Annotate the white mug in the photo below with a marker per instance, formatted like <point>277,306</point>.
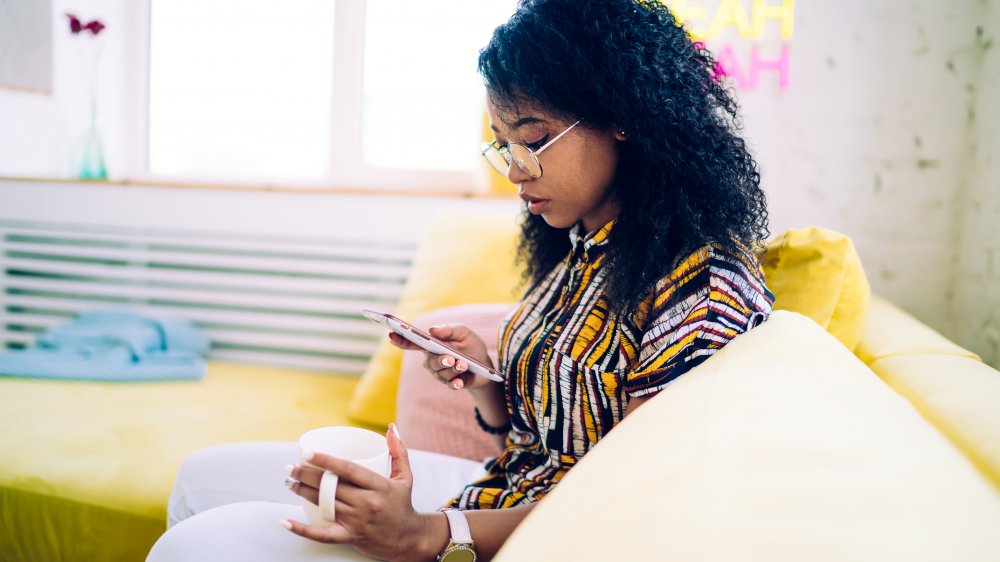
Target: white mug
<point>360,446</point>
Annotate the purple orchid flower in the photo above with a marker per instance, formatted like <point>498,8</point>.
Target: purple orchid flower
<point>76,26</point>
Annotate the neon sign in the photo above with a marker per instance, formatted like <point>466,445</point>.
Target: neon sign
<point>731,58</point>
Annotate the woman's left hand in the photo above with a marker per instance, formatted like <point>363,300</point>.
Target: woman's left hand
<point>375,514</point>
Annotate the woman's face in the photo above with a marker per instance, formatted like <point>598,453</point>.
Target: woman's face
<point>577,169</point>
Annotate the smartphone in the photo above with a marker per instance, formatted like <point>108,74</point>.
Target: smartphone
<point>430,343</point>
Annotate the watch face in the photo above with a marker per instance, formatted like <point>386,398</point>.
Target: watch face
<point>459,554</point>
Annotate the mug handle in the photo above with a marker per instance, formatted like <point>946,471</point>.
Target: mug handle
<point>327,495</point>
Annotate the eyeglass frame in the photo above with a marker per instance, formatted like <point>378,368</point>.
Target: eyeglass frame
<point>504,152</point>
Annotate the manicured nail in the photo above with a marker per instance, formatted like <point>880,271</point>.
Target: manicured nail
<point>288,469</point>
<point>447,362</point>
<point>457,384</point>
<point>289,482</point>
<point>395,431</point>
<point>307,455</point>
<point>460,367</point>
<point>286,524</point>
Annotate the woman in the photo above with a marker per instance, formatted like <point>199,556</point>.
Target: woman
<point>642,206</point>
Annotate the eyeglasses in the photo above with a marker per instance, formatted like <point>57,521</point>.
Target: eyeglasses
<point>526,159</point>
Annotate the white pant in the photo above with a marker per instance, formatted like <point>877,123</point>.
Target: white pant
<point>227,501</point>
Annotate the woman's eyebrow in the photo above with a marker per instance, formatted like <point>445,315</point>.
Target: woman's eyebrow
<point>520,123</point>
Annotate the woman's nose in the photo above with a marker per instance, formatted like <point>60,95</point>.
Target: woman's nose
<point>516,175</point>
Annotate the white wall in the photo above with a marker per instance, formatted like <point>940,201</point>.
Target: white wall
<point>41,134</point>
<point>975,297</point>
<point>871,137</point>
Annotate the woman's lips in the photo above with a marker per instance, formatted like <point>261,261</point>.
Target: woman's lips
<point>536,205</point>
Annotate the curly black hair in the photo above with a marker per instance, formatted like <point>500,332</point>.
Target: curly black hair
<point>685,177</point>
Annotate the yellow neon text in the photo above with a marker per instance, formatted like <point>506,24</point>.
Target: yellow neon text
<point>732,13</point>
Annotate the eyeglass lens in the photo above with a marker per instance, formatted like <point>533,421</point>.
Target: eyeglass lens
<point>525,160</point>
<point>495,158</point>
<point>520,155</point>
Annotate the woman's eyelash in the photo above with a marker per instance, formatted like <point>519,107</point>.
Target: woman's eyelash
<point>537,144</point>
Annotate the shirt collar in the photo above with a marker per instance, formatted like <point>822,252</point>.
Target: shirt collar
<point>589,245</point>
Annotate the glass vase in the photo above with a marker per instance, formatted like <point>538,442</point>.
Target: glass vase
<point>91,166</point>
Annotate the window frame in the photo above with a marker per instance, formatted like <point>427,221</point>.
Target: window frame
<point>347,170</point>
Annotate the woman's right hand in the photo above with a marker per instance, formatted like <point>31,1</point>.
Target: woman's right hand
<point>449,369</point>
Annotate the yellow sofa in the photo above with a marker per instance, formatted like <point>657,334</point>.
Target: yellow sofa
<point>86,468</point>
<point>767,451</point>
<point>785,447</point>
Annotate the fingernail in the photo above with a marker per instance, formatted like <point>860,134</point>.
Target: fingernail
<point>395,431</point>
<point>307,455</point>
<point>447,362</point>
<point>457,385</point>
<point>286,524</point>
<point>288,469</point>
<point>460,367</point>
<point>289,482</point>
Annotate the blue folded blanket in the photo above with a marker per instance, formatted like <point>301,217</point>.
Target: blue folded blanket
<point>112,345</point>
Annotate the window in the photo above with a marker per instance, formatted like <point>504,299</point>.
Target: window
<point>240,89</point>
<point>342,93</point>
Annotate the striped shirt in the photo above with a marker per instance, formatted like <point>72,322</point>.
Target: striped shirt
<point>572,364</point>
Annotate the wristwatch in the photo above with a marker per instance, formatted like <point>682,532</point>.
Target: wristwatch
<point>460,548</point>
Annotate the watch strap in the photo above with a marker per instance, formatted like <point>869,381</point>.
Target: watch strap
<point>459,525</point>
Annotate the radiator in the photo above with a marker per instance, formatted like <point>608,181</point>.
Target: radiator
<point>279,300</point>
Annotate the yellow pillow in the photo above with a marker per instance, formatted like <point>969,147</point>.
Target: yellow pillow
<point>783,446</point>
<point>462,260</point>
<point>817,272</point>
<point>958,395</point>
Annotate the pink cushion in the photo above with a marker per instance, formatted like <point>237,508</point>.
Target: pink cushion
<point>431,416</point>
